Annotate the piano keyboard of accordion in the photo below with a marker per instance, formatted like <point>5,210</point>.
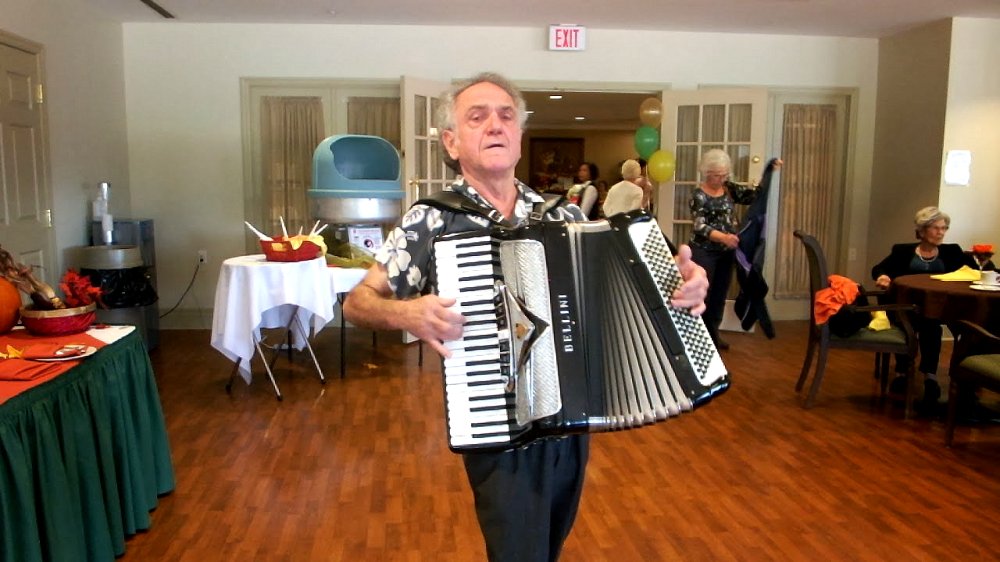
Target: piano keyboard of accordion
<point>614,354</point>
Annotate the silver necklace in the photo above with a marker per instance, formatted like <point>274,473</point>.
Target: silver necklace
<point>922,258</point>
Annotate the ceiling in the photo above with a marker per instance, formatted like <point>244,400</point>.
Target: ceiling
<point>601,110</point>
<point>843,18</point>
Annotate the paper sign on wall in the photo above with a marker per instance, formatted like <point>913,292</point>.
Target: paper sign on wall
<point>958,167</point>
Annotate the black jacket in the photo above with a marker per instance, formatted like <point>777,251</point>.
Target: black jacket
<point>750,305</point>
<point>898,261</point>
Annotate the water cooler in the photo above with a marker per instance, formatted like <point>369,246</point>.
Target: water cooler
<point>128,265</point>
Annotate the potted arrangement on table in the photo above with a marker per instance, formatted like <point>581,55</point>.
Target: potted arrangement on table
<point>982,253</point>
<point>48,314</point>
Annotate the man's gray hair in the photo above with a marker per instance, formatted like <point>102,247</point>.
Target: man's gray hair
<point>446,109</point>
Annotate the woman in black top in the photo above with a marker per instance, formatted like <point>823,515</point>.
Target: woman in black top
<point>929,255</point>
<point>585,193</point>
<point>713,239</point>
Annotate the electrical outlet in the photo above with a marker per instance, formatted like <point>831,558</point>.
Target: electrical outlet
<point>852,254</point>
<point>202,256</point>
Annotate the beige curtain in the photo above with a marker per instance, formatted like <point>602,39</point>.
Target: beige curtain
<point>374,116</point>
<point>290,130</point>
<point>809,193</point>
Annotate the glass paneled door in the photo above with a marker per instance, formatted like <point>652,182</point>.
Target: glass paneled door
<point>423,163</point>
<point>696,121</point>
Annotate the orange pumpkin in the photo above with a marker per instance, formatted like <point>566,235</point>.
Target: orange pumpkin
<point>10,305</point>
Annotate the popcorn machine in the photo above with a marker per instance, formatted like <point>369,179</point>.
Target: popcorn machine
<point>356,188</point>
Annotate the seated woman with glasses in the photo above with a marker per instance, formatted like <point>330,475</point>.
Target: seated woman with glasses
<point>928,255</point>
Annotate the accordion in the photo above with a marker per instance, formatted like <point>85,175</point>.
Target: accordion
<point>569,329</point>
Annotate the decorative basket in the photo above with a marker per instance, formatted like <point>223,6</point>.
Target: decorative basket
<point>58,322</point>
<point>280,249</point>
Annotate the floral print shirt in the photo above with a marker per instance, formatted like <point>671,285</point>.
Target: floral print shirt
<point>717,213</point>
<point>406,253</point>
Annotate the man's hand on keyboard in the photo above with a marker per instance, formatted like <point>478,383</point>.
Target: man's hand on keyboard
<point>430,319</point>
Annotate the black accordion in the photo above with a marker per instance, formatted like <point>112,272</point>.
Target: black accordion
<point>569,329</point>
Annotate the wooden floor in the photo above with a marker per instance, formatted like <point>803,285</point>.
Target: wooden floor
<point>358,470</point>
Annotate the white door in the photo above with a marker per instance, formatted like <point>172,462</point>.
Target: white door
<point>694,121</point>
<point>25,215</point>
<point>424,171</point>
<point>423,164</point>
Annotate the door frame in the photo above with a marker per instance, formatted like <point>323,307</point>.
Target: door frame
<point>839,259</point>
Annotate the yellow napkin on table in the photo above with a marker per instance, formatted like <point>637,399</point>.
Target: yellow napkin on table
<point>964,273</point>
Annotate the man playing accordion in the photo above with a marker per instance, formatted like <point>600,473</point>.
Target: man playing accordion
<point>526,498</point>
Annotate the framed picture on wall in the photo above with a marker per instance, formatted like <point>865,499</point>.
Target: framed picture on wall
<point>554,162</point>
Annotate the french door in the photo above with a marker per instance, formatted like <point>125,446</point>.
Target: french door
<point>695,121</point>
<point>423,163</point>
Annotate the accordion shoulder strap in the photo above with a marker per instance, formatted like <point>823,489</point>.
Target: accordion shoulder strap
<point>552,201</point>
<point>457,203</point>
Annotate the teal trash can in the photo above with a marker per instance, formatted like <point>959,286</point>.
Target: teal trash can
<point>356,180</point>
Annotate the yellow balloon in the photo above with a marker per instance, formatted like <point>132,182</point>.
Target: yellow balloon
<point>650,112</point>
<point>661,165</point>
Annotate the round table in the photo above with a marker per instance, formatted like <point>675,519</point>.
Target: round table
<point>253,293</point>
<point>949,301</point>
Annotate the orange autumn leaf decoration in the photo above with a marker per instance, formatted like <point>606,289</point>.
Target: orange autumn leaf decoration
<point>982,248</point>
<point>78,290</point>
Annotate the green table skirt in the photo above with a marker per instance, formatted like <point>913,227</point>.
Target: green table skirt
<point>83,459</point>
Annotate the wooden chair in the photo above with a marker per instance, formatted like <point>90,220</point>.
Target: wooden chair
<point>897,339</point>
<point>975,363</point>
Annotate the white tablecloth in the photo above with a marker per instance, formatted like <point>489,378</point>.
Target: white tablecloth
<point>254,293</point>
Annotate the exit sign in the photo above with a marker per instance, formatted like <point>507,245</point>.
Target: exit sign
<point>566,37</point>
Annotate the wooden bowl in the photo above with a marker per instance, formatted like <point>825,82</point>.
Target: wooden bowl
<point>281,250</point>
<point>58,322</point>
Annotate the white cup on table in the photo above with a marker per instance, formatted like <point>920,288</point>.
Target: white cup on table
<point>989,277</point>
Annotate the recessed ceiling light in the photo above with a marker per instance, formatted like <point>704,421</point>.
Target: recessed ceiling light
<point>555,97</point>
<point>578,118</point>
<point>529,112</point>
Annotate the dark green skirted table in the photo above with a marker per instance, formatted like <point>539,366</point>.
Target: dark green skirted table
<point>83,459</point>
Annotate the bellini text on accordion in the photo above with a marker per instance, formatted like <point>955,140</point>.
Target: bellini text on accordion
<point>569,329</point>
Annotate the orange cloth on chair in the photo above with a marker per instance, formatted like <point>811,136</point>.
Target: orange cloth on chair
<point>830,300</point>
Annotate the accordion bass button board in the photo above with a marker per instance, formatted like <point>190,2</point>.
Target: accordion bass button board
<point>569,329</point>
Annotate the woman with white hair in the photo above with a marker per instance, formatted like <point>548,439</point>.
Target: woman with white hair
<point>713,239</point>
<point>625,195</point>
<point>928,255</point>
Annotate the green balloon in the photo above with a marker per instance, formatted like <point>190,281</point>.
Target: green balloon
<point>647,140</point>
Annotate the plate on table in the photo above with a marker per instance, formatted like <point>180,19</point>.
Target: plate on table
<point>86,353</point>
<point>981,287</point>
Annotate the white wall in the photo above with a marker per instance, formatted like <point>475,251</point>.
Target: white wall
<point>972,122</point>
<point>85,104</point>
<point>183,101</point>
